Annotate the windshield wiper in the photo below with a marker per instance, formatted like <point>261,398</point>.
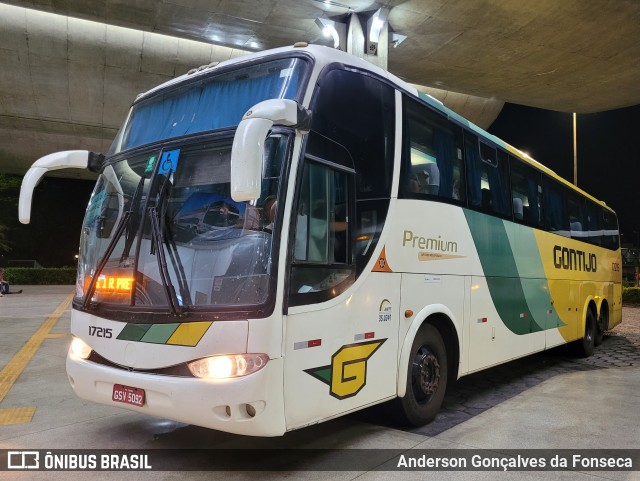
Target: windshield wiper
<point>167,236</point>
<point>176,308</point>
<point>133,231</point>
<point>178,267</point>
<point>105,258</point>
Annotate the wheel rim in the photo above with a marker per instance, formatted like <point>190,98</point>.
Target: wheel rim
<point>425,375</point>
<point>589,334</point>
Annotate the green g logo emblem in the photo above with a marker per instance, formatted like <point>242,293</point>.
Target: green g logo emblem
<point>347,374</point>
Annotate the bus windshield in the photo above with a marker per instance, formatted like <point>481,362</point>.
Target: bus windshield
<point>162,230</point>
<point>214,102</point>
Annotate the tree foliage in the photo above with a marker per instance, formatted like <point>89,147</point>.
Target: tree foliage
<point>4,243</point>
<point>9,191</point>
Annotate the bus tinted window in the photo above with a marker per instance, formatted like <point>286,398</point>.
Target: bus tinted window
<point>358,112</point>
<point>488,154</point>
<point>322,266</point>
<point>215,102</point>
<point>611,237</point>
<point>487,177</point>
<point>432,154</point>
<point>594,220</point>
<point>526,193</point>
<point>556,219</point>
<point>357,140</point>
<point>576,209</point>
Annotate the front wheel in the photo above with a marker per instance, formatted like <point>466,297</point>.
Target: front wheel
<point>426,378</point>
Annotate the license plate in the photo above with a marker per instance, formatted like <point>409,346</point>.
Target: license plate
<point>128,395</point>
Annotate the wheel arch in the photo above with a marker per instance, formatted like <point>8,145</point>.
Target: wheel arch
<point>444,321</point>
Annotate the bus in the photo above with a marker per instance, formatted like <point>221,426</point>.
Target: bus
<point>290,236</point>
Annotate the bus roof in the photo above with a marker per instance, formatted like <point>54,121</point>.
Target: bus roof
<point>325,55</point>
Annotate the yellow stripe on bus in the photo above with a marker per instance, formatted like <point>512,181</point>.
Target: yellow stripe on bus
<point>189,333</point>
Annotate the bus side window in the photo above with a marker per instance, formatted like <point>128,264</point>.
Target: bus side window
<point>432,155</point>
<point>487,177</point>
<point>556,219</point>
<point>611,238</point>
<point>577,218</point>
<point>353,126</point>
<point>526,194</point>
<point>322,266</point>
<point>358,112</point>
<point>594,219</point>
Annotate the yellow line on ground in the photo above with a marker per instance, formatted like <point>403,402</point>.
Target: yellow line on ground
<point>16,415</point>
<point>17,364</point>
<point>56,336</point>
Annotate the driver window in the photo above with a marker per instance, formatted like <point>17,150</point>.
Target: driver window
<point>322,266</point>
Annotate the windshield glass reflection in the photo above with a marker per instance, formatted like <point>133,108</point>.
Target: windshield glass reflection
<point>165,231</point>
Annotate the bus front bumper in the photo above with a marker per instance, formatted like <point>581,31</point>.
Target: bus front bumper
<point>252,405</point>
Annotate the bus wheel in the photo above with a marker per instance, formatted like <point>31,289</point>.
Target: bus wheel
<point>603,321</point>
<point>426,378</point>
<point>586,344</point>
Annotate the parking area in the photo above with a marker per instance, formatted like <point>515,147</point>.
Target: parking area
<point>547,401</point>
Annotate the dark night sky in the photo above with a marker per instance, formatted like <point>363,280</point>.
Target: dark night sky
<point>608,168</point>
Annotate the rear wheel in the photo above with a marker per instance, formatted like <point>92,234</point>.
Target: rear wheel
<point>585,346</point>
<point>426,378</point>
<point>601,325</point>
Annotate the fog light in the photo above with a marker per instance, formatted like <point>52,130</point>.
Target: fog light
<point>79,348</point>
<point>228,366</point>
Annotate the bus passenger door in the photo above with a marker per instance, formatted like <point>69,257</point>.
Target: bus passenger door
<point>341,332</point>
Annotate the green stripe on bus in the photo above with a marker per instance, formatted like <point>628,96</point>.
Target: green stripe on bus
<point>185,334</point>
<point>532,276</point>
<point>159,333</point>
<point>133,332</point>
<point>501,272</point>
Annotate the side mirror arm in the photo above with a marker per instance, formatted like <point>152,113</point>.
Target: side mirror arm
<point>69,159</point>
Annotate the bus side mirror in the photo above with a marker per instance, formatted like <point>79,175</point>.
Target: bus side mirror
<point>68,159</point>
<point>248,143</point>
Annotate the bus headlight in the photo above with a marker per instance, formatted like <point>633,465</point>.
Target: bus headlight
<point>79,348</point>
<point>227,366</point>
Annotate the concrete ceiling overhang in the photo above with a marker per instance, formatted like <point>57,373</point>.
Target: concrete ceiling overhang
<point>69,78</point>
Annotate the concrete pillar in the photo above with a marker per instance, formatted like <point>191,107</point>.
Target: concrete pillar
<point>356,41</point>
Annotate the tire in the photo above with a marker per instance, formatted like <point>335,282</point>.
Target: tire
<point>601,326</point>
<point>585,345</point>
<point>426,379</point>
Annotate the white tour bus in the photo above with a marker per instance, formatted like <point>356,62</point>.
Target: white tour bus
<point>289,236</point>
